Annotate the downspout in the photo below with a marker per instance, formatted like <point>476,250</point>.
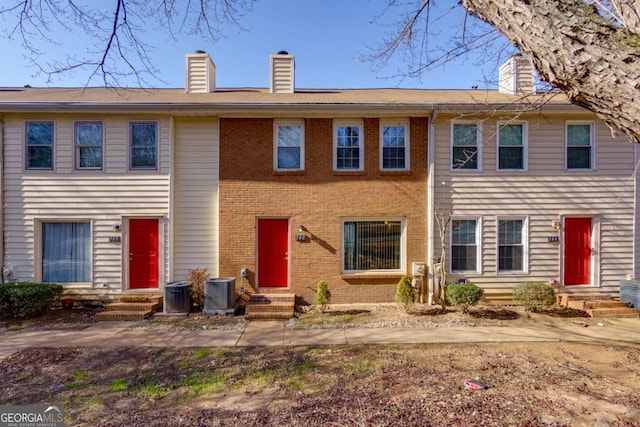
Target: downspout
<point>172,185</point>
<point>431,150</point>
<point>636,214</point>
<point>217,202</point>
<point>2,239</point>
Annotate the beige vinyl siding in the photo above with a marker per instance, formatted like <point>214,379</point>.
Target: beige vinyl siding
<point>282,74</point>
<point>195,196</point>
<point>104,197</point>
<point>542,194</point>
<point>200,73</point>
<point>516,76</point>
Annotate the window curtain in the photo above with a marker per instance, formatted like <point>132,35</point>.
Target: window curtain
<point>65,252</point>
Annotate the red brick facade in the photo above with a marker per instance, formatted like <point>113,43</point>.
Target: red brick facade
<point>319,199</point>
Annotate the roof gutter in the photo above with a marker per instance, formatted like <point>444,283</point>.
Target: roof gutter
<point>266,108</point>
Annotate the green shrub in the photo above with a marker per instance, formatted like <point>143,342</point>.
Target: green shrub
<point>197,278</point>
<point>28,299</point>
<point>533,295</point>
<point>404,293</point>
<point>464,296</point>
<point>322,298</point>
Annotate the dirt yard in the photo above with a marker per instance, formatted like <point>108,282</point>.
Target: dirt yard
<point>529,384</point>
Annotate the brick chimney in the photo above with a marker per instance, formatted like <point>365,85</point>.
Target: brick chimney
<point>282,78</point>
<point>516,76</point>
<point>200,73</point>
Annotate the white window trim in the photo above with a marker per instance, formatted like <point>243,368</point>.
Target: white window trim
<point>38,247</point>
<point>129,157</point>
<point>525,246</point>
<point>525,145</point>
<point>407,139</point>
<point>352,123</point>
<point>478,220</point>
<point>403,246</point>
<point>25,164</point>
<point>593,144</point>
<point>76,147</point>
<point>478,143</point>
<point>276,125</point>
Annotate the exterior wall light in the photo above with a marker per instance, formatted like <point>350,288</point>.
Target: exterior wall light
<point>300,237</point>
<point>116,228</point>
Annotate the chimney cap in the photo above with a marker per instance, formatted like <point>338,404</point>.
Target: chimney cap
<point>200,51</point>
<point>283,52</point>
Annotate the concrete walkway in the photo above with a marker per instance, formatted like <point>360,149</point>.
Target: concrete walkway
<point>274,333</point>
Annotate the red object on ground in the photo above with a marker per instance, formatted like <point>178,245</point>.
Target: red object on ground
<point>475,385</point>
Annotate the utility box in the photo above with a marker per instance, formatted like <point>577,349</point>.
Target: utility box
<point>176,298</point>
<point>418,269</point>
<point>219,295</point>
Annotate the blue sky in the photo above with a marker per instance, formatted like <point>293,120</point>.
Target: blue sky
<point>328,38</point>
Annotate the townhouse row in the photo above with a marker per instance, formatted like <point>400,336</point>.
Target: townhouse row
<point>117,191</point>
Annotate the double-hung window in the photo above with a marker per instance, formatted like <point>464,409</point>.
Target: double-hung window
<point>143,145</point>
<point>66,252</point>
<point>466,146</point>
<point>394,146</point>
<point>464,244</point>
<point>511,245</point>
<point>39,145</point>
<point>88,137</point>
<point>512,146</point>
<point>289,145</point>
<point>373,245</point>
<point>348,145</point>
<point>580,145</point>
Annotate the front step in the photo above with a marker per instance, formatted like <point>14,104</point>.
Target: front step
<point>565,297</point>
<point>131,307</point>
<point>123,315</point>
<point>622,312</point>
<point>270,306</point>
<point>597,305</point>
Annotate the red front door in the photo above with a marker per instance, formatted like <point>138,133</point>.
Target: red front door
<point>273,253</point>
<point>143,253</point>
<point>577,251</point>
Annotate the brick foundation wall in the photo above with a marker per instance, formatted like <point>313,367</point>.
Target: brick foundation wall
<point>317,198</point>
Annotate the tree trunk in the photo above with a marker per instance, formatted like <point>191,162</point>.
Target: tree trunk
<point>596,63</point>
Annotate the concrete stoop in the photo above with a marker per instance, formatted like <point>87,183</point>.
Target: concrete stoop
<point>597,305</point>
<point>130,308</point>
<point>270,306</point>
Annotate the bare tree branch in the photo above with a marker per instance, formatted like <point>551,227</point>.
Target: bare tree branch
<point>593,60</point>
<point>420,21</point>
<point>115,39</point>
<point>586,48</point>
